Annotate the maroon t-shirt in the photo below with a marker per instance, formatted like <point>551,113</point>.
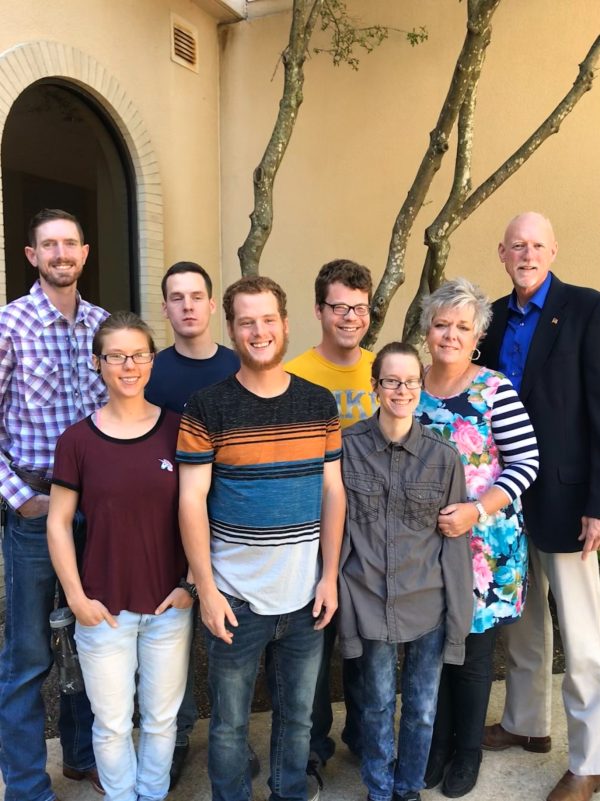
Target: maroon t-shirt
<point>128,492</point>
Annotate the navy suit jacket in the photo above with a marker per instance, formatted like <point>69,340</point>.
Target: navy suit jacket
<point>561,392</point>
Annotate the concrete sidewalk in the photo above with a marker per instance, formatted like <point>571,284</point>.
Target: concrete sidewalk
<point>509,775</point>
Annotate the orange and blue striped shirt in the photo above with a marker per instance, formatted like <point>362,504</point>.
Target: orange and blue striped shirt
<point>264,505</point>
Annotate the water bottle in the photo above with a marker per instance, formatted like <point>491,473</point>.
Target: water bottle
<point>62,624</point>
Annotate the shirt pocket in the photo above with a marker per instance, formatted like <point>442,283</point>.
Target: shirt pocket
<point>41,378</point>
<point>422,504</point>
<point>364,496</point>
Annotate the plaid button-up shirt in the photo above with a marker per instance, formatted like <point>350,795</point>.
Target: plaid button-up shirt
<point>47,382</point>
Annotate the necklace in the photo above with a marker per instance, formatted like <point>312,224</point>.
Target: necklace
<point>441,388</point>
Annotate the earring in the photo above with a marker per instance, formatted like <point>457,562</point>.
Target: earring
<point>476,355</point>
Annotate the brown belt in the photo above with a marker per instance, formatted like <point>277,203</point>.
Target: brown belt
<point>37,483</point>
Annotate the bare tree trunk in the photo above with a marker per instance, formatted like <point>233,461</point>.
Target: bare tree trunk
<point>304,16</point>
<point>458,208</point>
<point>480,13</point>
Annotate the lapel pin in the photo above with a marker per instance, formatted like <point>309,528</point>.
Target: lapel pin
<point>555,321</point>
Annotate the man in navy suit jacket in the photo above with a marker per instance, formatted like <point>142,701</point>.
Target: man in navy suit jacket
<point>546,337</point>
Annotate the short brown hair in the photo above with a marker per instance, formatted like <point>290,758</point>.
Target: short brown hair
<point>404,348</point>
<point>342,271</point>
<point>253,285</point>
<point>119,321</point>
<point>186,267</point>
<point>47,215</point>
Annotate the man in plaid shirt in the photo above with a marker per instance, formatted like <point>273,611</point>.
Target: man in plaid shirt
<point>47,382</point>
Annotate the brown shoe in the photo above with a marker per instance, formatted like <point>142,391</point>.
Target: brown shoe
<point>495,738</point>
<point>575,788</point>
<point>90,775</point>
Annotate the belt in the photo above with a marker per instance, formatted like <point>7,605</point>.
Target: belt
<point>37,483</point>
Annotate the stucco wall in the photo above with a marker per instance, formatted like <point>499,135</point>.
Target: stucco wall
<point>360,137</point>
<point>178,109</point>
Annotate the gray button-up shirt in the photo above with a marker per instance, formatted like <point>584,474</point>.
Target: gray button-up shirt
<point>399,578</point>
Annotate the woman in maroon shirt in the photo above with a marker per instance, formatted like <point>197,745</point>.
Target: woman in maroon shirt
<point>118,466</point>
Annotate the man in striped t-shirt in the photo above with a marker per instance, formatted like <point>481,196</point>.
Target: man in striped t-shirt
<point>262,510</point>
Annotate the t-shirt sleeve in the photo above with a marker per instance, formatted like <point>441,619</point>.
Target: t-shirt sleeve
<point>194,443</point>
<point>67,468</point>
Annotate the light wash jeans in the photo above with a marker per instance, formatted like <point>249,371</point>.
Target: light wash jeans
<point>157,647</point>
<point>386,770</point>
<point>25,662</point>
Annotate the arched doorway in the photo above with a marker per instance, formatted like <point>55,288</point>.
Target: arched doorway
<point>60,150</point>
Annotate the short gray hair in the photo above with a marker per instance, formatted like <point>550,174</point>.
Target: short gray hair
<point>454,295</point>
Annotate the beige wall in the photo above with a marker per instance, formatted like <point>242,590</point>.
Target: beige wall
<point>361,135</point>
<point>178,108</point>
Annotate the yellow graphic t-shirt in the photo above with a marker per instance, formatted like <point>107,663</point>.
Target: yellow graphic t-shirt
<point>351,386</point>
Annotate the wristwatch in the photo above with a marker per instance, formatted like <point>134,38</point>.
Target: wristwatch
<point>483,515</point>
<point>188,587</point>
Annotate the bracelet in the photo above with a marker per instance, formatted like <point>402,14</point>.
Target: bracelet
<point>189,588</point>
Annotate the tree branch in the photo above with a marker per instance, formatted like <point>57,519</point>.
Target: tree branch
<point>304,17</point>
<point>452,216</point>
<point>551,125</point>
<point>480,13</point>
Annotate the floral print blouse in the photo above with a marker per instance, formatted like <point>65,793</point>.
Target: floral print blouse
<point>488,425</point>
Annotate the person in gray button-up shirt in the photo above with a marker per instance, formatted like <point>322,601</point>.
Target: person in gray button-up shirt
<point>400,581</point>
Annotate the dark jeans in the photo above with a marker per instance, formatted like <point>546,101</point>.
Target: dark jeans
<point>386,770</point>
<point>26,661</point>
<point>322,715</point>
<point>293,652</point>
<point>463,697</point>
<point>188,711</point>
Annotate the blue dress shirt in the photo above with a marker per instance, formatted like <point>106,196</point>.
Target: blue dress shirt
<point>519,332</point>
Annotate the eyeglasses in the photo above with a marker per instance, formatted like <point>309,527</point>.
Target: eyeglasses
<point>394,383</point>
<point>145,357</point>
<point>342,309</point>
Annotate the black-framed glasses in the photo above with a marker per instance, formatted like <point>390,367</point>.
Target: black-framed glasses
<point>394,383</point>
<point>342,309</point>
<point>144,357</point>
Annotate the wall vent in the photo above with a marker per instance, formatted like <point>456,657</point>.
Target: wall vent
<point>184,43</point>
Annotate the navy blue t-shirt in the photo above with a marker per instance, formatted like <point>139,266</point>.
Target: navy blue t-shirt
<point>175,377</point>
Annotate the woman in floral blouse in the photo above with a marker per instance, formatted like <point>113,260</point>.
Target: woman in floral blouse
<point>479,411</point>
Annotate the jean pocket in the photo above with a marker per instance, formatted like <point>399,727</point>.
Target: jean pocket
<point>236,604</point>
<point>363,493</point>
<point>422,504</point>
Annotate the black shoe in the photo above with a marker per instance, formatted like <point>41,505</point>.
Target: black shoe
<point>254,762</point>
<point>179,756</point>
<point>436,766</point>
<point>409,795</point>
<point>462,774</point>
<point>314,764</point>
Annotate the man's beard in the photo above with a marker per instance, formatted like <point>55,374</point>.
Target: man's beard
<point>254,364</point>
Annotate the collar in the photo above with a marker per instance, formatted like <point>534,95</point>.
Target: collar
<point>537,300</point>
<point>381,442</point>
<point>49,314</point>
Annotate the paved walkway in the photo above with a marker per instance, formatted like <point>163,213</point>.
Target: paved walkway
<point>512,775</point>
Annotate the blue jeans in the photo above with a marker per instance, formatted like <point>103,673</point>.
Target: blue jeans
<point>383,771</point>
<point>157,647</point>
<point>293,651</point>
<point>26,661</point>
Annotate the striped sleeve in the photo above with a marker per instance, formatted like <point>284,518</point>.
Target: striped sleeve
<point>194,445</point>
<point>516,441</point>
